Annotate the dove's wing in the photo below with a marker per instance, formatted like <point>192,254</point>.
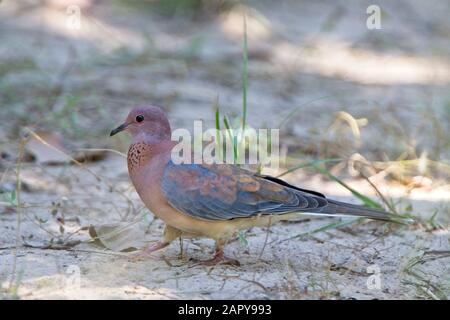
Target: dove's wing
<point>223,192</point>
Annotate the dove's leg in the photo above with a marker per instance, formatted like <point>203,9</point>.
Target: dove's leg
<point>220,257</point>
<point>170,234</point>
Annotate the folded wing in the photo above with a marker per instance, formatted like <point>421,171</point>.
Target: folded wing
<point>224,192</point>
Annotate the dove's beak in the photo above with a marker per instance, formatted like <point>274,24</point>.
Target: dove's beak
<point>118,129</point>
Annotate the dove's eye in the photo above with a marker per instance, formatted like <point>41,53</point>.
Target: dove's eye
<point>140,118</point>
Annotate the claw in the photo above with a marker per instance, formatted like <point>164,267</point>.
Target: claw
<point>219,258</point>
<point>145,253</point>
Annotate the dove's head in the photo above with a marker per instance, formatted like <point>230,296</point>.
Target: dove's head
<point>146,121</point>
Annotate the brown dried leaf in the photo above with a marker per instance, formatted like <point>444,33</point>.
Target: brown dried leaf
<point>121,236</point>
<point>52,149</point>
<point>46,154</point>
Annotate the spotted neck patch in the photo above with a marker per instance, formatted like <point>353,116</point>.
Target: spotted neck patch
<point>137,155</point>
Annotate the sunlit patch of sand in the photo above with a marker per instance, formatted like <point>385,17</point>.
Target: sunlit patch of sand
<point>334,58</point>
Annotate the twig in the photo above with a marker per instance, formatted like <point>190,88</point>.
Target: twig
<point>103,150</point>
<point>22,144</point>
<point>65,248</point>
<point>227,277</point>
<point>266,238</point>
<point>51,246</point>
<point>382,197</point>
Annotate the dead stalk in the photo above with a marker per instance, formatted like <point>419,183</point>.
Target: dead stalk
<point>266,238</point>
<point>18,209</point>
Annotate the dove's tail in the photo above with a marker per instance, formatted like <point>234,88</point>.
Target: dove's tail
<point>337,208</point>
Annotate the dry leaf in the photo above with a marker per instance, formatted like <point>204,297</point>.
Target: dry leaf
<point>46,154</point>
<point>121,236</point>
<point>54,150</point>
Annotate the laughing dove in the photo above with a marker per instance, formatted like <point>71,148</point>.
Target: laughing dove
<point>213,201</point>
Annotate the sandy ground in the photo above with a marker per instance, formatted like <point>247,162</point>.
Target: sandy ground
<point>362,260</point>
<point>299,52</point>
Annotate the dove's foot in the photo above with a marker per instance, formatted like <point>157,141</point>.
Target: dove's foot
<point>145,253</point>
<point>219,258</point>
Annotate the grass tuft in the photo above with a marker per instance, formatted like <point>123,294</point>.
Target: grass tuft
<point>237,139</point>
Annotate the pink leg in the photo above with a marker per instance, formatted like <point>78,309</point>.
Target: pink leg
<point>220,258</point>
<point>150,249</point>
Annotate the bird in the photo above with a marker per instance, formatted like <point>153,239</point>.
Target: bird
<point>216,201</point>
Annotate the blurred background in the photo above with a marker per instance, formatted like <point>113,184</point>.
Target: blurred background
<point>77,67</point>
<point>368,103</point>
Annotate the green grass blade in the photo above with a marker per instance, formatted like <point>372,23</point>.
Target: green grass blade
<point>366,200</point>
<point>329,226</point>
<point>219,147</point>
<point>297,109</point>
<point>308,164</point>
<point>232,138</point>
<point>334,225</point>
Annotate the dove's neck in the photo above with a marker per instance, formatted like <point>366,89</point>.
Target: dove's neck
<point>144,150</point>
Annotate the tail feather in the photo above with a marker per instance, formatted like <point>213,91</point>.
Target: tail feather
<point>342,208</point>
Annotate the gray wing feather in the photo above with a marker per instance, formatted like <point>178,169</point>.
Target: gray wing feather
<point>209,193</point>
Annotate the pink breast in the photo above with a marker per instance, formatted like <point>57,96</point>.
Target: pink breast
<point>138,154</point>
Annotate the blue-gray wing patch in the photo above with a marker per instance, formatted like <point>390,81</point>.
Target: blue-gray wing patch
<point>224,192</point>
